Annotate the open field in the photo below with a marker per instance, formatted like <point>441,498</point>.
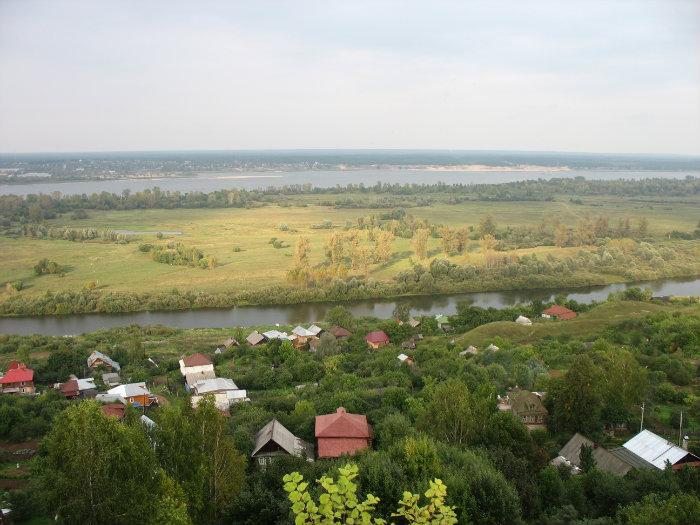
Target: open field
<point>116,267</point>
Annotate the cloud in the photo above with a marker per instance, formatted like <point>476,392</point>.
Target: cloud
<point>585,76</point>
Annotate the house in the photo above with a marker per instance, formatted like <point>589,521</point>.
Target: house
<point>523,320</point>
<point>316,330</point>
<point>377,339</point>
<point>339,332</point>
<point>340,434</point>
<point>276,334</point>
<point>658,451</point>
<point>194,378</point>
<point>561,313</point>
<point>223,390</point>
<point>114,410</point>
<point>526,406</point>
<point>471,350</point>
<point>275,440</point>
<point>98,359</point>
<point>409,344</point>
<point>413,323</point>
<point>136,394</point>
<point>255,338</point>
<point>74,388</point>
<point>19,379</point>
<point>301,336</point>
<point>615,461</point>
<point>231,341</point>
<point>196,363</point>
<point>406,359</point>
<point>111,379</point>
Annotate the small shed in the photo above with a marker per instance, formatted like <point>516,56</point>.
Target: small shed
<point>493,348</point>
<point>523,320</point>
<point>255,338</point>
<point>377,339</point>
<point>339,332</point>
<point>471,350</point>
<point>406,359</point>
<point>231,341</point>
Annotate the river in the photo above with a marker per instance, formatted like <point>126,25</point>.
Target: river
<point>312,312</point>
<point>211,181</point>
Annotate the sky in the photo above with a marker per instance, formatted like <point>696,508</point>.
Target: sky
<point>578,75</point>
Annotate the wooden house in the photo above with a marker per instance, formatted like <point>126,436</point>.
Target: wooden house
<point>136,394</point>
<point>100,360</point>
<point>339,332</point>
<point>274,440</point>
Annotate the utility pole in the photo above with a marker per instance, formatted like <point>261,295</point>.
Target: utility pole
<point>641,423</point>
<point>680,431</point>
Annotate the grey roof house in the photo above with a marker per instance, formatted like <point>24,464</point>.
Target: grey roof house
<point>275,440</point>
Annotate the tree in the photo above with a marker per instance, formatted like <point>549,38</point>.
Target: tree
<point>586,459</point>
<point>486,226</point>
<point>196,449</point>
<point>383,240</point>
<point>679,509</point>
<point>561,235</point>
<point>576,398</point>
<point>402,312</point>
<point>301,253</point>
<point>84,445</point>
<point>340,316</point>
<point>327,345</point>
<point>453,414</point>
<point>643,228</point>
<point>335,250</point>
<point>420,243</point>
<point>340,504</point>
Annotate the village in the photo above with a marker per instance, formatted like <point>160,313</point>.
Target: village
<point>340,433</point>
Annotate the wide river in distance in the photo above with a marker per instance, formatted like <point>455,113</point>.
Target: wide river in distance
<point>244,316</point>
<point>210,181</point>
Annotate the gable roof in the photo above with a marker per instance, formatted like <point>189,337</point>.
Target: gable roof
<point>378,336</point>
<point>86,384</point>
<point>655,449</point>
<point>302,332</point>
<point>216,384</point>
<point>69,388</point>
<point>231,341</point>
<point>193,378</point>
<point>114,410</point>
<point>339,331</point>
<point>96,355</point>
<point>275,334</point>
<point>341,424</point>
<point>255,338</point>
<point>560,312</point>
<point>315,330</point>
<point>196,360</point>
<point>612,462</point>
<point>524,401</point>
<point>130,390</point>
<point>277,432</point>
<point>18,373</point>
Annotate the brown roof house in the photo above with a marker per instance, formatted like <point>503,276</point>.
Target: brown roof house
<point>526,406</point>
<point>377,339</point>
<point>342,434</point>
<point>100,360</point>
<point>560,313</point>
<point>339,332</point>
<point>274,440</point>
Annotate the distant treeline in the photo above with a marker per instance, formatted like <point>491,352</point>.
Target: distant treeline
<point>34,208</point>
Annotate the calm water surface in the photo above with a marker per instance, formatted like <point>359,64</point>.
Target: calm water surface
<point>312,312</point>
<point>207,182</point>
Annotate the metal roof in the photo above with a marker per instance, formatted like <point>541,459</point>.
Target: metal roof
<point>655,449</point>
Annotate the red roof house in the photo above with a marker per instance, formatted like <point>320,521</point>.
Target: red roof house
<point>562,313</point>
<point>341,434</point>
<point>17,380</point>
<point>377,339</point>
<point>114,410</point>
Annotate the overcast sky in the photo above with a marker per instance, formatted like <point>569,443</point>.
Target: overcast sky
<point>615,76</point>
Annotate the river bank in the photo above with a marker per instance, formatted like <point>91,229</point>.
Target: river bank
<point>309,312</point>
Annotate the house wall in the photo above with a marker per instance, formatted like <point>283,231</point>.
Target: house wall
<point>196,369</point>
<point>23,387</point>
<point>336,447</point>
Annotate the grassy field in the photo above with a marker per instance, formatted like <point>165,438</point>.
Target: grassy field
<point>216,231</point>
<point>586,326</point>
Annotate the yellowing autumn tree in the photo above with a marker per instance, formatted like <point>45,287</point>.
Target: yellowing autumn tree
<point>420,243</point>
